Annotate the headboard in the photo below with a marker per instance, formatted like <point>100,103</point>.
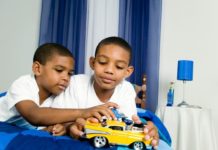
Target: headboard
<point>141,93</point>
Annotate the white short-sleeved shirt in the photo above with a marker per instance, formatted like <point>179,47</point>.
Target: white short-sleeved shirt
<point>81,94</point>
<point>24,88</point>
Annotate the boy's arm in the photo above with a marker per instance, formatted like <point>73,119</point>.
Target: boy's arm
<point>42,116</point>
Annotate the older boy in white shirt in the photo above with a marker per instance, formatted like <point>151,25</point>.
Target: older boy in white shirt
<point>111,65</point>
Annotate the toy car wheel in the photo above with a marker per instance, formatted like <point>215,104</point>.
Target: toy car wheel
<point>99,141</point>
<point>138,146</point>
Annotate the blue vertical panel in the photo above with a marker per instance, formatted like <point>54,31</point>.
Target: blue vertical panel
<point>64,22</point>
<point>140,25</point>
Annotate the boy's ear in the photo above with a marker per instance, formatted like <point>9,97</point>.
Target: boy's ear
<point>92,62</point>
<point>36,68</point>
<point>129,71</point>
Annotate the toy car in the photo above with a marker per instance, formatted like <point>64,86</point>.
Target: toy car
<point>114,132</point>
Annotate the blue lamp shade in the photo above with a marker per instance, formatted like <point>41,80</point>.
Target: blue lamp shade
<point>185,70</point>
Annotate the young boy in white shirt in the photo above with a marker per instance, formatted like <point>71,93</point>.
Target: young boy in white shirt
<point>27,102</point>
<point>111,65</point>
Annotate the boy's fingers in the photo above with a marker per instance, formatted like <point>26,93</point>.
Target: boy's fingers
<point>107,112</point>
<point>62,132</point>
<point>94,120</point>
<point>154,143</point>
<point>102,110</point>
<point>152,132</point>
<point>150,125</point>
<point>58,130</point>
<point>81,121</point>
<point>136,119</point>
<point>111,104</point>
<point>97,115</point>
<point>75,131</point>
<point>57,127</point>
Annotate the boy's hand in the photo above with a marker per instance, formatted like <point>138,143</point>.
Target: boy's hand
<point>76,129</point>
<point>150,130</point>
<point>99,111</point>
<point>58,130</point>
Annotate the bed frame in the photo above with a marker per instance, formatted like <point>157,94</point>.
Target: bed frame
<point>141,93</point>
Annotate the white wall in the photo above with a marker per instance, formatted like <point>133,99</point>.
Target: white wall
<point>19,33</point>
<point>190,31</point>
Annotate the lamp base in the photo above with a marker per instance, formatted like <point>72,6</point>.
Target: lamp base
<point>196,106</point>
<point>186,105</point>
<point>183,104</point>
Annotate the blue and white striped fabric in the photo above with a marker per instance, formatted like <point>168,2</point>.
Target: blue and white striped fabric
<point>20,122</point>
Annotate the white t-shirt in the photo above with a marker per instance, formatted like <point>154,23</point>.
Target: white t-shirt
<point>81,94</point>
<point>24,88</point>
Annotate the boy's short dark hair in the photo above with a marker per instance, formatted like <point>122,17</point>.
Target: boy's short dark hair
<point>117,41</point>
<point>45,51</point>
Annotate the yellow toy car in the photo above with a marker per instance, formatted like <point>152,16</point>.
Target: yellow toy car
<point>115,132</point>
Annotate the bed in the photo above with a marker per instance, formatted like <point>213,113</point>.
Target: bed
<point>13,137</point>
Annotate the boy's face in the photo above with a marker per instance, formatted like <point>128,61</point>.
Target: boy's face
<point>54,76</point>
<point>110,66</point>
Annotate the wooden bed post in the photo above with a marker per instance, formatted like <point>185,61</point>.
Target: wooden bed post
<point>143,88</point>
<point>141,98</point>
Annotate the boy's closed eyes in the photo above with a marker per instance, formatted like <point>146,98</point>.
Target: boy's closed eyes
<point>119,64</point>
<point>61,69</point>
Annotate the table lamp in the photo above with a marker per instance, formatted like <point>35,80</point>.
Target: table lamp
<point>184,73</point>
